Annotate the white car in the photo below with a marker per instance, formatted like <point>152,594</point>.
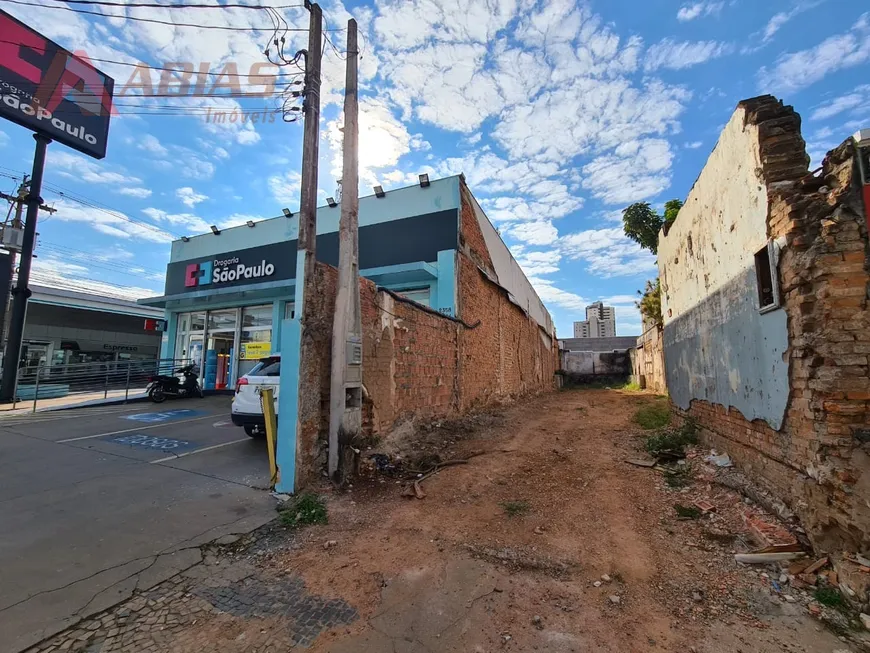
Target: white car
<point>247,410</point>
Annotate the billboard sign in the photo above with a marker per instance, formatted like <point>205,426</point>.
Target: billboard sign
<point>49,90</point>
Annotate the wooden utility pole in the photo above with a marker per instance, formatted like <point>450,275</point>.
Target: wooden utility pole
<point>307,242</point>
<point>345,398</point>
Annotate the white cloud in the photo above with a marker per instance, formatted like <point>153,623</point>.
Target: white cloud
<point>608,253</point>
<point>112,223</point>
<point>184,222</point>
<point>141,193</point>
<point>777,21</point>
<point>4,139</point>
<point>694,145</point>
<point>76,166</point>
<point>383,140</point>
<point>637,170</point>
<point>189,197</point>
<point>668,53</point>
<point>149,143</point>
<point>796,70</point>
<point>55,273</point>
<point>551,294</point>
<point>859,98</point>
<point>698,9</point>
<point>285,189</point>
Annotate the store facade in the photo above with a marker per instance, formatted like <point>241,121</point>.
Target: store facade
<point>66,327</point>
<point>227,294</point>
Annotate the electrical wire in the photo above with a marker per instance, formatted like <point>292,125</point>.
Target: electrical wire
<point>151,20</point>
<point>179,5</point>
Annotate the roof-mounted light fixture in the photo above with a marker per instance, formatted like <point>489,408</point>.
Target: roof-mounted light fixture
<point>424,180</point>
<point>287,213</point>
<point>185,239</point>
<point>379,191</point>
<point>331,201</point>
<point>215,230</point>
<point>251,223</point>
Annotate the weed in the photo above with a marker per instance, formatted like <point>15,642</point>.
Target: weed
<point>653,416</point>
<point>515,508</point>
<point>830,597</point>
<point>677,477</point>
<point>631,386</point>
<point>304,510</point>
<point>687,512</point>
<point>672,441</point>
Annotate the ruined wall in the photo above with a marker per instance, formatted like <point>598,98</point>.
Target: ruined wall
<point>817,461</point>
<point>648,359</point>
<point>719,346</point>
<point>419,364</point>
<point>595,363</point>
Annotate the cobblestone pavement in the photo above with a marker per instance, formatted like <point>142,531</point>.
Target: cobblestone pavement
<point>229,603</point>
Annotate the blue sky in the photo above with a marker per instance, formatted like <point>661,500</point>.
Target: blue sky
<point>559,113</point>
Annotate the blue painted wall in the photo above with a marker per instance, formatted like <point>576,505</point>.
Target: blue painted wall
<point>725,351</point>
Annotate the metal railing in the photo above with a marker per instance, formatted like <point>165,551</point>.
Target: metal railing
<point>84,381</point>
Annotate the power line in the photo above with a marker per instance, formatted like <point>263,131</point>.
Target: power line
<point>179,5</point>
<point>155,20</point>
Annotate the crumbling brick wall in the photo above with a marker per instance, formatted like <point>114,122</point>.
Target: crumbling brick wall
<point>818,460</point>
<point>420,364</point>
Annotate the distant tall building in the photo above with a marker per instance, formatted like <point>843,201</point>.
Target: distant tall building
<point>600,322</point>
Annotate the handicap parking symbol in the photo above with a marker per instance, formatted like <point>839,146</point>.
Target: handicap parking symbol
<point>165,416</point>
<point>152,442</point>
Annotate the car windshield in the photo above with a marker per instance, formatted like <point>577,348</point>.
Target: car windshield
<point>270,366</point>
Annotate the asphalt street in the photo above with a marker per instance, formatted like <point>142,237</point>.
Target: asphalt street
<point>96,503</point>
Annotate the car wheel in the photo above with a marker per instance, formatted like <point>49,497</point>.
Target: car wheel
<point>157,395</point>
<point>255,431</point>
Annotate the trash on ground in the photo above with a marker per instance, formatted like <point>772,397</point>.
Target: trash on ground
<point>720,460</point>
<point>764,558</point>
<point>637,462</point>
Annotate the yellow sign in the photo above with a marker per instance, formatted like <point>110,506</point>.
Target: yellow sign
<point>253,350</point>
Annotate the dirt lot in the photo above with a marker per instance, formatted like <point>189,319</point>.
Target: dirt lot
<point>546,540</point>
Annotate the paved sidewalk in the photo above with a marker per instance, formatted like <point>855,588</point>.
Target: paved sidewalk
<point>76,400</point>
<point>201,609</point>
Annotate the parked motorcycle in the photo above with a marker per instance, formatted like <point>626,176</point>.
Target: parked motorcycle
<point>165,385</point>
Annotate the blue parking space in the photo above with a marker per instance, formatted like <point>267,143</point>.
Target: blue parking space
<point>164,416</point>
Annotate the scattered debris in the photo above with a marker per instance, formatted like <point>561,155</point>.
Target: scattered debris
<point>537,622</point>
<point>697,596</point>
<point>638,462</point>
<point>818,564</point>
<point>720,460</point>
<point>765,558</point>
<point>614,599</point>
<point>329,544</point>
<point>865,620</point>
<point>704,506</point>
<point>605,578</point>
<point>597,583</point>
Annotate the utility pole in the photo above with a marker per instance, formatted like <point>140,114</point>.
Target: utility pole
<point>21,292</point>
<point>18,201</point>
<point>345,391</point>
<point>307,241</point>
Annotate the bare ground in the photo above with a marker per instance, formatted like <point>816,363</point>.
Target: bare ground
<point>455,572</point>
<point>526,582</point>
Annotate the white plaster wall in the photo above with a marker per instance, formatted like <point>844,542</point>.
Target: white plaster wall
<point>719,347</point>
<point>726,217</point>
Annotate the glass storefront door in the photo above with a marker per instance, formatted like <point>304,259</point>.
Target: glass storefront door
<point>255,341</point>
<point>221,347</point>
<point>224,343</point>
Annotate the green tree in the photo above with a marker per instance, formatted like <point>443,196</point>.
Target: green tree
<point>650,303</point>
<point>642,224</point>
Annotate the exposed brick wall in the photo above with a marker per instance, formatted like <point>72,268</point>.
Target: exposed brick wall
<point>818,461</point>
<point>471,241</point>
<point>418,364</point>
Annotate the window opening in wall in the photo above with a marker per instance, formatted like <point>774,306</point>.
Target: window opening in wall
<point>765,275</point>
<point>419,295</point>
